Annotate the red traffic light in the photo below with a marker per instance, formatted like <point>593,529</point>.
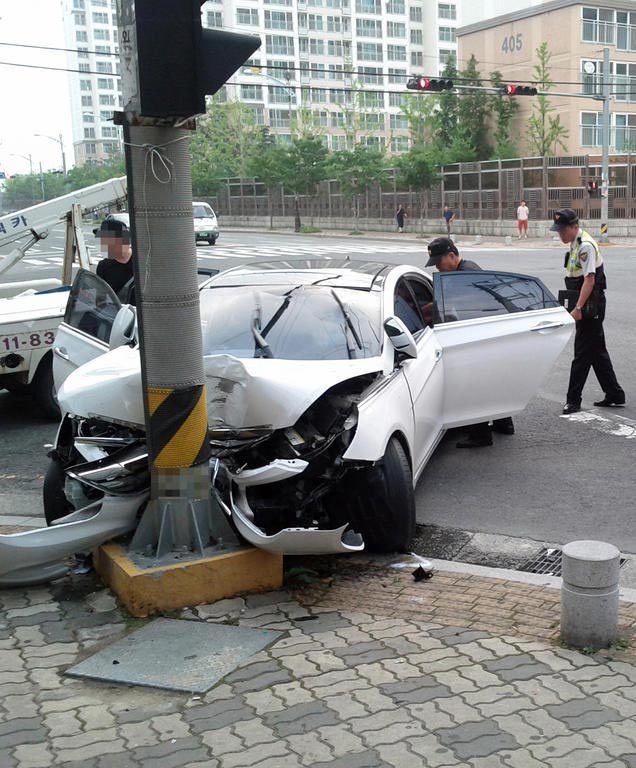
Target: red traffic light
<point>510,89</point>
<point>423,83</point>
<point>428,84</point>
<point>518,90</point>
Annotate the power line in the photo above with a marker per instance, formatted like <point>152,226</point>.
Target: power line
<point>59,69</point>
<point>53,48</point>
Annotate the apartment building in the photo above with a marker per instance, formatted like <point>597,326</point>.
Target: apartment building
<point>576,34</point>
<point>316,56</point>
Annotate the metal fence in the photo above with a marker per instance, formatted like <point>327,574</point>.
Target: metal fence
<point>487,190</point>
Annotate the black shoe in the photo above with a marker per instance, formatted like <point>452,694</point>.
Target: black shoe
<point>571,408</point>
<point>474,442</point>
<point>610,402</point>
<point>503,426</point>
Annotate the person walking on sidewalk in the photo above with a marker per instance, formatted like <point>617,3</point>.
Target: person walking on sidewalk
<point>523,214</point>
<point>400,215</point>
<point>585,276</point>
<point>449,217</point>
<point>444,254</point>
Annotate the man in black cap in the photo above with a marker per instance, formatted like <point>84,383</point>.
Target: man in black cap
<point>117,268</point>
<point>585,275</point>
<point>443,254</point>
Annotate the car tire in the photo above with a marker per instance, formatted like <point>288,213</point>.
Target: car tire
<point>56,504</point>
<point>384,506</point>
<point>44,388</point>
<point>212,241</point>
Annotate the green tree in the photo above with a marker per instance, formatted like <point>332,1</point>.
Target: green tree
<point>269,166</point>
<point>444,118</point>
<point>504,109</point>
<point>545,132</point>
<point>418,109</point>
<point>417,169</point>
<point>306,166</point>
<point>473,112</point>
<point>356,170</point>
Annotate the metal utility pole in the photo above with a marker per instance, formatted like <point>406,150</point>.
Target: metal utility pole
<point>604,238</point>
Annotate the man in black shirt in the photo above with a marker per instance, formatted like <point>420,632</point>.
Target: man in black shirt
<point>117,268</point>
<point>444,255</point>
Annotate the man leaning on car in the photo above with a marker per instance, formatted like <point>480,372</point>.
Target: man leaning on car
<point>443,254</point>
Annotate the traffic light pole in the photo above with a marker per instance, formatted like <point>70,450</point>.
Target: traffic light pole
<point>604,238</point>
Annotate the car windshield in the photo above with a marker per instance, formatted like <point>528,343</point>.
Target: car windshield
<point>305,322</point>
<point>202,212</point>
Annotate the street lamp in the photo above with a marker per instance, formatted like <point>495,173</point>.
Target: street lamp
<point>60,141</point>
<point>28,157</point>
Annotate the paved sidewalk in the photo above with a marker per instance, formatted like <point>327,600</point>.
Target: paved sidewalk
<point>375,670</point>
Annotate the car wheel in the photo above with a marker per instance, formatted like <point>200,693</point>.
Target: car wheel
<point>56,504</point>
<point>384,506</point>
<point>44,388</point>
<point>212,241</point>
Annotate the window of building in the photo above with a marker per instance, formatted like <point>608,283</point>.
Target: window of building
<point>337,3</point>
<point>337,48</point>
<point>101,34</point>
<point>399,144</point>
<point>314,22</point>
<point>336,119</point>
<point>369,6</point>
<point>316,46</point>
<point>337,24</point>
<point>338,143</point>
<point>279,95</point>
<point>78,4</point>
<point>106,101</point>
<point>319,96</point>
<point>105,83</point>
<point>372,121</point>
<point>626,30</point>
<point>417,59</point>
<point>278,2</point>
<point>396,99</point>
<point>87,117</point>
<point>396,6</point>
<point>417,37</point>
<point>397,75</point>
<point>368,28</point>
<point>278,20</point>
<point>89,133</point>
<point>100,18</point>
<point>340,96</point>
<point>105,49</point>
<point>247,16</point>
<point>317,71</point>
<point>80,19</point>
<point>84,67</point>
<point>398,122</point>
<point>598,25</point>
<point>103,115</point>
<point>82,53</point>
<point>86,85</point>
<point>591,129</point>
<point>87,101</point>
<point>252,92</point>
<point>396,29</point>
<point>370,75</point>
<point>624,132</point>
<point>99,4</point>
<point>91,149</point>
<point>624,81</point>
<point>104,67</point>
<point>320,118</point>
<point>415,13</point>
<point>373,142</point>
<point>369,51</point>
<point>215,18</point>
<point>109,131</point>
<point>110,147</point>
<point>279,118</point>
<point>336,72</point>
<point>279,45</point>
<point>259,115</point>
<point>396,52</point>
<point>445,56</point>
<point>446,11</point>
<point>81,37</point>
<point>446,34</point>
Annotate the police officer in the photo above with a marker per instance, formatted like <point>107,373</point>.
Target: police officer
<point>444,254</point>
<point>585,275</point>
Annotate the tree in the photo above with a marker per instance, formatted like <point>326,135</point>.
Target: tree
<point>269,165</point>
<point>504,109</point>
<point>417,170</point>
<point>472,113</point>
<point>306,167</point>
<point>418,110</point>
<point>444,118</point>
<point>356,170</point>
<point>545,131</point>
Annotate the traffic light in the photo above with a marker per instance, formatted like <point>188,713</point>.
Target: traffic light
<point>428,84</point>
<point>592,188</point>
<point>170,62</point>
<point>518,90</point>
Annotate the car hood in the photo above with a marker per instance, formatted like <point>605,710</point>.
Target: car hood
<point>240,392</point>
<point>205,221</point>
<point>250,392</point>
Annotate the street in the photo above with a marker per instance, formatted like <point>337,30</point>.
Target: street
<point>556,480</point>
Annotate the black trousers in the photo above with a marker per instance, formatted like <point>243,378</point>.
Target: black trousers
<point>590,352</point>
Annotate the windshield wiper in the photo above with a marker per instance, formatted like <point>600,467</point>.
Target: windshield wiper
<point>347,318</point>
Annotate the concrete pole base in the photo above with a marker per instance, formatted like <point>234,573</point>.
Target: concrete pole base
<point>589,594</point>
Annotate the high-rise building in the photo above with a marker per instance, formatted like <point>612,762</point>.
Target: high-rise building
<point>316,55</point>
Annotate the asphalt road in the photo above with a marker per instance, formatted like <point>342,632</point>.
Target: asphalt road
<point>556,480</point>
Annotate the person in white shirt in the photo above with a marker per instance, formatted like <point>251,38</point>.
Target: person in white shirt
<point>522,220</point>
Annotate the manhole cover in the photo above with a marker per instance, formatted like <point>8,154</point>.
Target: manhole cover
<point>178,655</point>
<point>547,562</point>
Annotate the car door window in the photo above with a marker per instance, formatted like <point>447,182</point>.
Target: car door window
<point>468,295</point>
<point>423,294</point>
<point>405,307</point>
<point>92,306</point>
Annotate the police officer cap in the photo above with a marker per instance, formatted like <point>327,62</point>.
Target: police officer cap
<point>563,218</point>
<point>438,248</point>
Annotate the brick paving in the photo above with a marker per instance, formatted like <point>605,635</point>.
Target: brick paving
<point>374,670</point>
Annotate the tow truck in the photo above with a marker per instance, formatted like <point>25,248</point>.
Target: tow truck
<point>31,310</point>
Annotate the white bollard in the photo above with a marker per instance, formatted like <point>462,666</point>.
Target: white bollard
<point>508,240</point>
<point>589,594</point>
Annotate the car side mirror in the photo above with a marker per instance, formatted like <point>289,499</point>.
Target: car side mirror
<point>400,336</point>
<point>124,327</point>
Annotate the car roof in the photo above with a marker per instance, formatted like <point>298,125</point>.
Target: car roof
<point>343,273</point>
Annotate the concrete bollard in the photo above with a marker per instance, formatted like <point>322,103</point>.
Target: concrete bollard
<point>508,240</point>
<point>589,594</point>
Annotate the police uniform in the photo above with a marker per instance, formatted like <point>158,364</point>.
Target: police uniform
<point>582,259</point>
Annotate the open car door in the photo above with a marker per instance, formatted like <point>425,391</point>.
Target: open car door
<point>500,334</point>
<point>85,331</point>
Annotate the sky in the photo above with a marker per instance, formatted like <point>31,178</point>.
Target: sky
<point>34,100</point>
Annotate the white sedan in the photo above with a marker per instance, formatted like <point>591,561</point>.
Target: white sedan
<point>329,385</point>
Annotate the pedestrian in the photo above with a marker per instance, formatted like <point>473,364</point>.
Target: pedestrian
<point>444,254</point>
<point>523,214</point>
<point>117,267</point>
<point>585,277</point>
<point>400,215</point>
<point>449,217</point>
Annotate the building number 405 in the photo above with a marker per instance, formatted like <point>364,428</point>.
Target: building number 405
<point>512,43</point>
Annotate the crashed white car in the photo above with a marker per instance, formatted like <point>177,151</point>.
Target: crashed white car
<point>329,384</point>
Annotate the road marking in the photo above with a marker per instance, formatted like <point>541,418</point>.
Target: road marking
<point>616,425</point>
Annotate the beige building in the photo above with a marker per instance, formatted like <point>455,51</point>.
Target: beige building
<point>576,34</point>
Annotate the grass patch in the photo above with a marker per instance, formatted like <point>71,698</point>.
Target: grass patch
<point>308,229</point>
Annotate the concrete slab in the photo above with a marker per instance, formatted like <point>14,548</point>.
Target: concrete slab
<point>176,655</point>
